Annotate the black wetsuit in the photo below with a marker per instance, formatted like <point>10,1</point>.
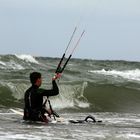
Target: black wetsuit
<point>34,101</point>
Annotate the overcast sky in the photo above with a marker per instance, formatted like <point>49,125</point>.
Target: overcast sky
<point>44,27</point>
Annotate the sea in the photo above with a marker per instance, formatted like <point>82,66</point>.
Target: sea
<point>109,90</point>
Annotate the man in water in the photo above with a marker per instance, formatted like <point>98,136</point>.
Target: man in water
<point>34,109</point>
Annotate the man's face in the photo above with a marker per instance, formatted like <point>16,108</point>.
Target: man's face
<point>39,82</point>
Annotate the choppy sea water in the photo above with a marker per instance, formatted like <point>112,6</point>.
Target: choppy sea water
<point>108,90</point>
<point>115,126</point>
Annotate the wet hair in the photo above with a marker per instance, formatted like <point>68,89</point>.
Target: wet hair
<point>34,76</point>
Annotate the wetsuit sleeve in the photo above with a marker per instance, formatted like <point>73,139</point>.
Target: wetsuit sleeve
<point>50,92</point>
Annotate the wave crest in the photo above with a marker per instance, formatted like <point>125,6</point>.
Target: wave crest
<point>27,58</point>
<point>127,74</point>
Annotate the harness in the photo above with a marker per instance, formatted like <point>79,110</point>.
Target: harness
<point>50,106</point>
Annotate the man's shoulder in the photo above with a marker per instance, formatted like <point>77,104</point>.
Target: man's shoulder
<point>28,91</point>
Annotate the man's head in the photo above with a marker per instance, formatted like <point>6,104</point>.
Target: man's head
<point>35,78</point>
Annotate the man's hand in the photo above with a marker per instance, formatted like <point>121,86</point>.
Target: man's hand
<point>57,76</point>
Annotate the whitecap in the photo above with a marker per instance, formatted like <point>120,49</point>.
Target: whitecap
<point>2,63</point>
<point>13,65</point>
<point>27,58</point>
<point>128,74</point>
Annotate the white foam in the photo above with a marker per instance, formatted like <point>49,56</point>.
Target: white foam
<point>20,136</point>
<point>27,58</point>
<point>128,74</point>
<point>71,97</point>
<point>11,65</point>
<point>2,63</point>
<point>133,136</point>
<point>129,136</point>
<point>14,65</point>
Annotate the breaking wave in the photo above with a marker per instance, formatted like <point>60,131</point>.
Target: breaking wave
<point>128,74</point>
<point>86,85</point>
<point>27,58</point>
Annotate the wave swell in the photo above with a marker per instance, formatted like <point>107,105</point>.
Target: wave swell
<point>86,85</point>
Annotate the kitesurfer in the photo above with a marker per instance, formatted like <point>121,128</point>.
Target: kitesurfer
<point>34,108</point>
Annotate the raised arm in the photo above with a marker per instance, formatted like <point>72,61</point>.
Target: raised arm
<point>51,92</point>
